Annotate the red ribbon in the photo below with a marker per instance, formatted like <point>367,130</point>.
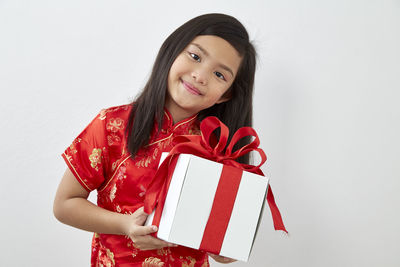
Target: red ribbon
<point>224,199</point>
<point>200,145</point>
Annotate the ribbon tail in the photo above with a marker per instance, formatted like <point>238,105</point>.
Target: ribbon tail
<point>163,193</point>
<point>155,186</point>
<point>155,197</point>
<point>276,215</point>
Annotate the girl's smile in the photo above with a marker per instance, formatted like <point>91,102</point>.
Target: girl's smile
<point>191,88</point>
<point>200,76</point>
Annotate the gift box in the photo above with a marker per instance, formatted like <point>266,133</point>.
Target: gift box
<point>202,197</point>
<point>212,207</point>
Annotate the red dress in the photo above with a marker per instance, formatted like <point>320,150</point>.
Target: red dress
<point>99,160</point>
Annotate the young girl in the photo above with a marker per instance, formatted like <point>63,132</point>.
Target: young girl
<point>205,67</point>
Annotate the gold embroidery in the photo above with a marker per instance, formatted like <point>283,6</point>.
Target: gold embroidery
<point>112,192</point>
<point>132,246</point>
<point>152,262</point>
<point>105,259</point>
<point>205,264</point>
<point>152,155</point>
<point>143,162</point>
<point>110,255</point>
<point>72,147</point>
<point>113,139</point>
<point>163,251</point>
<point>118,209</point>
<point>183,123</point>
<point>103,113</point>
<point>194,130</point>
<point>121,173</point>
<point>114,165</point>
<point>112,176</point>
<point>69,158</point>
<point>165,144</point>
<point>189,264</point>
<point>161,140</point>
<point>115,124</point>
<point>95,158</point>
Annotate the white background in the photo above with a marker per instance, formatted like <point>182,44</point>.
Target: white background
<point>326,109</point>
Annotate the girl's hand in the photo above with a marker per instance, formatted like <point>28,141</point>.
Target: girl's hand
<point>72,207</point>
<point>221,259</point>
<point>140,235</point>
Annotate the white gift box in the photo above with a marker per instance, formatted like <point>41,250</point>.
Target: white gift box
<point>190,199</point>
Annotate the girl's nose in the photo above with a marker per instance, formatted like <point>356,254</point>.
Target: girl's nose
<point>199,76</point>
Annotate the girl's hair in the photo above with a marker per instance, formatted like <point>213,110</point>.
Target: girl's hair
<point>235,113</point>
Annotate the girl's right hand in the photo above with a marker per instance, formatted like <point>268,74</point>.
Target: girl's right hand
<point>140,235</point>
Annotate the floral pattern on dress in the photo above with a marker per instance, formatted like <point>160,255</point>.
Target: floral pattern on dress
<point>112,192</point>
<point>163,251</point>
<point>152,262</point>
<point>111,189</point>
<point>104,256</point>
<point>115,124</point>
<point>188,261</point>
<point>95,158</point>
<point>131,245</point>
<point>114,165</point>
<point>103,112</point>
<point>121,173</point>
<point>72,147</point>
<point>152,153</point>
<point>194,130</point>
<point>113,140</point>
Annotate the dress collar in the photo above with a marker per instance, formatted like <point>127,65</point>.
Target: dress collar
<point>169,122</point>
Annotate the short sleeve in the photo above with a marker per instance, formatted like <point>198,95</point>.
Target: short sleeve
<point>87,156</point>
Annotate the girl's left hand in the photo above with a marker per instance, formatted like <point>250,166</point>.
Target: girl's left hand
<point>220,259</point>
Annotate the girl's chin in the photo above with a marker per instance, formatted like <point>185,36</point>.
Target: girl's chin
<point>188,109</point>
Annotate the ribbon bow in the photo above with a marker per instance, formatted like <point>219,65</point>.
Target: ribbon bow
<point>201,145</point>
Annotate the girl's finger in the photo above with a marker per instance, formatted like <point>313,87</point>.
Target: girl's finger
<point>149,242</point>
<point>140,216</point>
<point>155,241</point>
<point>145,230</point>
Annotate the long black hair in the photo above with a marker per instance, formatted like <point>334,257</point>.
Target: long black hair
<point>235,113</point>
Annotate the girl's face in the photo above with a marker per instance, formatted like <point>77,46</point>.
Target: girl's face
<point>200,76</point>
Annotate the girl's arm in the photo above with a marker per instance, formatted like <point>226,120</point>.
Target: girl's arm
<point>72,207</point>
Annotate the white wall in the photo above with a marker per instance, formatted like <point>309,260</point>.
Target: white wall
<point>326,109</point>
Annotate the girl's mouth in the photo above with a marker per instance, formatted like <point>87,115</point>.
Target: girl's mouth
<point>190,88</point>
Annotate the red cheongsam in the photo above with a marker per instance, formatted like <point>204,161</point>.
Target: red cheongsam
<point>99,160</point>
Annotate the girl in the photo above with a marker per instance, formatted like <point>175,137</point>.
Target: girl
<point>205,67</point>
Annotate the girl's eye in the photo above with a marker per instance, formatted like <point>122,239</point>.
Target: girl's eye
<point>195,57</point>
<point>220,75</point>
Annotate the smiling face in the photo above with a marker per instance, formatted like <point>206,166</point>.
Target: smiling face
<point>200,75</point>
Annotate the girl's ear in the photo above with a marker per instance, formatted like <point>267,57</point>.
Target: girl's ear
<point>225,97</point>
